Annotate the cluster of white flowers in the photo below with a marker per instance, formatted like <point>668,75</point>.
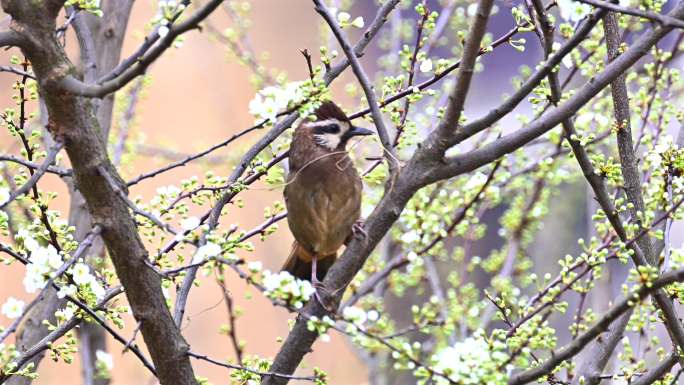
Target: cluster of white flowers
<point>167,10</point>
<point>13,308</point>
<point>410,237</point>
<point>343,19</point>
<point>359,316</point>
<point>472,361</point>
<point>284,286</point>
<point>574,11</point>
<point>208,250</point>
<point>654,157</point>
<point>66,313</point>
<point>44,261</point>
<point>271,100</point>
<point>83,277</point>
<point>320,326</point>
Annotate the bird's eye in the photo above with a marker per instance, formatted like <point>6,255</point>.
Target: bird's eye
<point>332,128</point>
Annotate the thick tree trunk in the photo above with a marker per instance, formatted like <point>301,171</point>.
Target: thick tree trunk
<point>72,121</point>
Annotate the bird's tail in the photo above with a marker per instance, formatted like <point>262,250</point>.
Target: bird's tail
<point>299,263</point>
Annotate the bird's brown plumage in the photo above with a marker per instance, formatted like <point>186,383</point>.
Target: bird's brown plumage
<point>323,197</point>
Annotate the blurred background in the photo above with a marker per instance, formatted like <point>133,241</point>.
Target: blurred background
<point>199,96</point>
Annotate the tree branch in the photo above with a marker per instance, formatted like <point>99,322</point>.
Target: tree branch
<point>365,84</point>
<point>664,20</point>
<point>40,171</point>
<point>142,62</point>
<point>11,39</point>
<point>474,159</point>
<point>520,94</point>
<point>449,124</point>
<point>51,169</point>
<point>571,349</point>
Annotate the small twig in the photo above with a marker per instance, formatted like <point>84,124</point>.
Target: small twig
<point>17,71</point>
<point>250,370</point>
<point>365,85</point>
<point>40,171</point>
<point>307,57</point>
<point>138,211</point>
<point>132,340</point>
<point>51,169</point>
<point>232,318</point>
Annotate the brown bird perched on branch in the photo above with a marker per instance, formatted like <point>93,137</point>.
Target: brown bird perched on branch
<point>323,192</point>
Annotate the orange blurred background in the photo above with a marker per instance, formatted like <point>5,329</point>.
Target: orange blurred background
<point>197,98</point>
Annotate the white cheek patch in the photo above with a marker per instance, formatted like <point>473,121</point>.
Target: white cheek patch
<point>330,141</point>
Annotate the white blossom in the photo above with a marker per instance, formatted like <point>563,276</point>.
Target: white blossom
<point>271,100</point>
<point>343,17</point>
<point>105,359</point>
<point>210,249</point>
<point>354,314</point>
<point>254,266</point>
<point>373,315</point>
<point>358,22</point>
<point>284,286</point>
<point>472,362</point>
<point>170,191</point>
<point>476,180</point>
<point>67,290</point>
<point>30,244</point>
<point>81,274</point>
<point>410,237</point>
<point>67,312</point>
<point>163,31</point>
<point>190,223</point>
<point>472,9</point>
<point>426,65</point>
<point>13,308</point>
<point>572,10</point>
<point>97,289</point>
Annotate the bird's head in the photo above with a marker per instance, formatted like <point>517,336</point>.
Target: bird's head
<point>332,129</point>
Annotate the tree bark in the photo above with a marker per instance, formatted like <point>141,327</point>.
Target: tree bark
<point>72,121</point>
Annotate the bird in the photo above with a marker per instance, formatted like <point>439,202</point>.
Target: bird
<point>322,192</point>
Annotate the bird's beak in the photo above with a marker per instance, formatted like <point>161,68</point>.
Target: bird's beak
<point>359,131</point>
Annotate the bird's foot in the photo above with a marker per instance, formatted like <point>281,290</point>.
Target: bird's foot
<point>358,230</point>
<point>319,288</point>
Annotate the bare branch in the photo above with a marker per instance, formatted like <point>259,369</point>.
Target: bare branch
<point>365,84</point>
<point>449,124</point>
<point>11,39</point>
<point>141,63</point>
<point>16,71</point>
<point>40,171</point>
<point>51,169</point>
<point>250,370</point>
<point>664,20</point>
